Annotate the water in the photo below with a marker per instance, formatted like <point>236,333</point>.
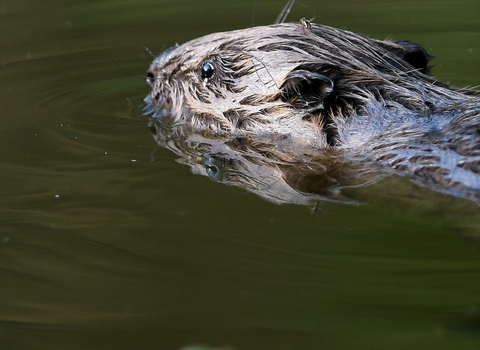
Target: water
<point>106,242</point>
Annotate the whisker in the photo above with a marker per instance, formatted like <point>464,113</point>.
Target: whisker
<point>285,12</point>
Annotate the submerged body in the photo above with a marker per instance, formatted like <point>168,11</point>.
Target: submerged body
<point>327,89</point>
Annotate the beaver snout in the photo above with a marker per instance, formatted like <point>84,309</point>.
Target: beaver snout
<point>150,77</point>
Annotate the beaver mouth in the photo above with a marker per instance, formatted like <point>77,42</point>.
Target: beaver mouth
<point>157,106</point>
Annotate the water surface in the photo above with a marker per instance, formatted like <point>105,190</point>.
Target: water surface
<point>106,242</point>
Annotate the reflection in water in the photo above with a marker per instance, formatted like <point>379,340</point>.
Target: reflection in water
<point>137,255</point>
<point>278,169</point>
<point>271,167</point>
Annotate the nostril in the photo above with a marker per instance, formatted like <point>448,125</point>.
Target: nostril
<point>150,78</point>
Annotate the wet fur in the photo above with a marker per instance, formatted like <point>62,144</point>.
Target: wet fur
<point>329,89</point>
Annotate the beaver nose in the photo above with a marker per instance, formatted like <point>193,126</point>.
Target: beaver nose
<point>150,77</point>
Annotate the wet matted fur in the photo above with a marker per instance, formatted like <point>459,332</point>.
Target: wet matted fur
<point>327,89</point>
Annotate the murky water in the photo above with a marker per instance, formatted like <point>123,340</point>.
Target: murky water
<point>106,242</point>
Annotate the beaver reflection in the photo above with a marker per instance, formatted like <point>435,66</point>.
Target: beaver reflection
<point>273,169</point>
<point>320,108</point>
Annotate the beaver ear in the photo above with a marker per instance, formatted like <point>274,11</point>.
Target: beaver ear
<point>412,53</point>
<point>305,89</point>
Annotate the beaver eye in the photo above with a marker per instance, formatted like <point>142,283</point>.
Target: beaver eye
<point>208,71</point>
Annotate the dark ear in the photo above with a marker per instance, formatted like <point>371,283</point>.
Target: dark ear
<point>412,53</point>
<point>306,90</point>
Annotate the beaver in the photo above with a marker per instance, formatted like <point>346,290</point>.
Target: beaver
<point>325,89</point>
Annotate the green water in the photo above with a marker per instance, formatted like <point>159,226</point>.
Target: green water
<point>107,243</point>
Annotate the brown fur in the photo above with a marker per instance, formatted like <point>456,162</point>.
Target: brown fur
<point>327,89</point>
